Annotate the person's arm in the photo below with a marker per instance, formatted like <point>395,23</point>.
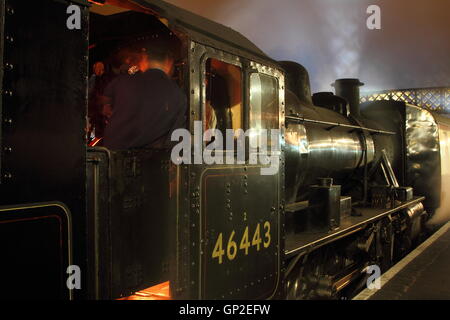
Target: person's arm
<point>180,121</point>
<point>107,99</point>
<point>91,85</point>
<point>180,116</point>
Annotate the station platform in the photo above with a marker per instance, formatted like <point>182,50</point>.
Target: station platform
<point>424,274</point>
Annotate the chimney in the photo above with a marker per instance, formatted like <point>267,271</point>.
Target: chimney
<point>349,90</point>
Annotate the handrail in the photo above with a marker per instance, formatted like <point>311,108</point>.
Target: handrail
<point>336,124</point>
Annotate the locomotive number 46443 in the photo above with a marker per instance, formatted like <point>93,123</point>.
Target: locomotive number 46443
<point>244,245</point>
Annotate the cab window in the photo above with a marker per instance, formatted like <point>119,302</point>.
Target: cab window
<point>223,100</point>
<point>263,103</point>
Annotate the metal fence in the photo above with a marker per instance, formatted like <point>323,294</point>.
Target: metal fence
<point>436,99</point>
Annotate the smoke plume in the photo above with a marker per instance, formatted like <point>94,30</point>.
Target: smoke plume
<point>330,37</point>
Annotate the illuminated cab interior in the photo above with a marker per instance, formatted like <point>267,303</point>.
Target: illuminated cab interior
<point>117,32</point>
<point>116,29</point>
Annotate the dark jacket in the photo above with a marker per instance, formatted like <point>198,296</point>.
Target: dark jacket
<point>146,108</point>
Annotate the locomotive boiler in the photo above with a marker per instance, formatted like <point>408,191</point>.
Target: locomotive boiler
<point>354,186</point>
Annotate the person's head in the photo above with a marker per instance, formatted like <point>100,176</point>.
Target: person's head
<point>157,56</point>
<point>99,68</point>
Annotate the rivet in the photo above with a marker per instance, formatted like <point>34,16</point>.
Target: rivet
<point>9,66</point>
<point>7,93</point>
<point>7,175</point>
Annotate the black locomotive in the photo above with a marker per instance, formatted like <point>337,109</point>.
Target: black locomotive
<point>354,183</point>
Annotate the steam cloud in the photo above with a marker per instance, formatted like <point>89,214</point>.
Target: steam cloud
<point>442,215</point>
<point>330,38</point>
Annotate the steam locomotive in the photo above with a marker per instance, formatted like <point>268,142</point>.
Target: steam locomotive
<point>354,186</point>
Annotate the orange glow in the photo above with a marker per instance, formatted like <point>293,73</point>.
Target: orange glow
<point>94,142</point>
<point>100,3</point>
<point>159,292</point>
<point>124,4</point>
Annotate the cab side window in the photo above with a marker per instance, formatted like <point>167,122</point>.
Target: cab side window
<point>223,101</point>
<point>264,103</point>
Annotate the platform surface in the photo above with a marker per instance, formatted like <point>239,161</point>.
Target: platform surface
<point>424,274</point>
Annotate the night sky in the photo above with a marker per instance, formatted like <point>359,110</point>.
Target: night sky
<point>331,39</point>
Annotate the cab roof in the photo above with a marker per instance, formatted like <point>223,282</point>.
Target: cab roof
<point>198,28</point>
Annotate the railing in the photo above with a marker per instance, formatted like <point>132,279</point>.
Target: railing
<point>436,99</point>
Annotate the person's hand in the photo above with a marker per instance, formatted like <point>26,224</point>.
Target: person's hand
<point>88,128</point>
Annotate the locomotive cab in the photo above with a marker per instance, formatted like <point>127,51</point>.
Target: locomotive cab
<point>154,223</point>
<point>131,194</point>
